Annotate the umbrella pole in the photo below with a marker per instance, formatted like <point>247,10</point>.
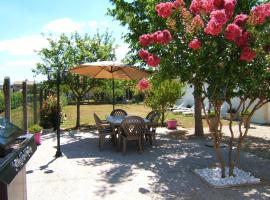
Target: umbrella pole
<point>113,92</point>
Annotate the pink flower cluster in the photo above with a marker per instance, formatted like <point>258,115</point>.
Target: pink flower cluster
<point>233,32</point>
<point>195,44</point>
<point>207,6</point>
<point>201,6</point>
<point>178,3</point>
<point>259,14</point>
<point>229,6</point>
<point>243,40</point>
<point>143,84</point>
<point>145,39</point>
<point>217,20</point>
<point>151,59</point>
<point>160,37</point>
<point>240,20</point>
<point>247,54</point>
<point>164,10</point>
<point>219,4</point>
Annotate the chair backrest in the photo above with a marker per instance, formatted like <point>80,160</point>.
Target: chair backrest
<point>156,117</point>
<point>98,122</point>
<point>151,115</point>
<point>133,126</point>
<point>118,112</point>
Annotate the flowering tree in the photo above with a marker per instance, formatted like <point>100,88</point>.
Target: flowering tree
<point>140,17</point>
<point>160,94</point>
<point>223,50</point>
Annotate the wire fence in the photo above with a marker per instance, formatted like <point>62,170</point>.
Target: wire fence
<point>16,105</point>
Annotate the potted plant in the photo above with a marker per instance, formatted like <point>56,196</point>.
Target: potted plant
<point>213,122</point>
<point>233,112</point>
<point>48,113</point>
<point>171,124</point>
<point>246,118</point>
<point>37,131</point>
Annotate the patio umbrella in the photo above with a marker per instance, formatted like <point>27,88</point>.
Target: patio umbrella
<point>110,70</point>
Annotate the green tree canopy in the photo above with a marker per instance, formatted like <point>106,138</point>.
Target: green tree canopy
<point>65,52</point>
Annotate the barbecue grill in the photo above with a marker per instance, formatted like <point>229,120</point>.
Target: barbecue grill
<point>16,148</point>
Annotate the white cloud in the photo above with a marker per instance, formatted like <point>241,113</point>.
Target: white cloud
<point>121,51</point>
<point>22,46</point>
<point>27,45</point>
<point>95,25</point>
<point>20,52</point>
<point>64,25</point>
<point>19,70</point>
<point>22,63</point>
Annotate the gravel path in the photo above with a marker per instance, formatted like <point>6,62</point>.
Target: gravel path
<point>162,172</point>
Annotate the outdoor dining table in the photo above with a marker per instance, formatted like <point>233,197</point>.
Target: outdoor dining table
<point>115,122</point>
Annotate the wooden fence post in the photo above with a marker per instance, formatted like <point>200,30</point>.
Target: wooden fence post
<point>25,117</point>
<point>7,97</point>
<point>40,97</point>
<point>35,103</point>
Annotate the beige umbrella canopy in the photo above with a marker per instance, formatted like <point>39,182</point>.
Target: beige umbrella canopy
<point>110,70</point>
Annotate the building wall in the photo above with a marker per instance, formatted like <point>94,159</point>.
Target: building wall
<point>261,116</point>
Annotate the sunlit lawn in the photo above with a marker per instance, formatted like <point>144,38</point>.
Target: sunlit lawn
<point>103,110</point>
<point>17,116</point>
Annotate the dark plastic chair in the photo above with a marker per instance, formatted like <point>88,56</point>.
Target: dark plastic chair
<point>151,128</point>
<point>151,114</point>
<point>118,112</point>
<point>132,128</point>
<point>104,130</point>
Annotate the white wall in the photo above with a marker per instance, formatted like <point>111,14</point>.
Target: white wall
<point>188,98</point>
<point>261,116</point>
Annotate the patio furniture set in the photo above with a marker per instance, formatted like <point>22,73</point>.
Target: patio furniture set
<point>122,128</point>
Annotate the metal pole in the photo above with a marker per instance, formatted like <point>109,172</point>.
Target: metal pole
<point>25,113</point>
<point>58,151</point>
<point>113,92</point>
<point>7,97</point>
<point>35,103</point>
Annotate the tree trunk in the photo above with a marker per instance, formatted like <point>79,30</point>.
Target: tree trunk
<point>230,154</point>
<point>221,160</point>
<point>78,102</point>
<point>162,117</point>
<point>198,110</point>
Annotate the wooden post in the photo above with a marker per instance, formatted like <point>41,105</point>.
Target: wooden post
<point>40,97</point>
<point>6,89</point>
<point>35,103</point>
<point>25,118</point>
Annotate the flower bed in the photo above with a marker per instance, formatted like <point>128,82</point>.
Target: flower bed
<point>213,178</point>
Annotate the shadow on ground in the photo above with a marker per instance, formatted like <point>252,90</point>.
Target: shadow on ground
<point>171,162</point>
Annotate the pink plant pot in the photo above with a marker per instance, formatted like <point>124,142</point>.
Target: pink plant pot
<point>171,124</point>
<point>37,138</point>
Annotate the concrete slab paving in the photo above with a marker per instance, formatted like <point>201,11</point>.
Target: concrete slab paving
<point>164,171</point>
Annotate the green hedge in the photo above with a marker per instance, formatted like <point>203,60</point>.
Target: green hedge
<point>16,100</point>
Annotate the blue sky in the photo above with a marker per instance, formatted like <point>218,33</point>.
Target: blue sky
<point>23,21</point>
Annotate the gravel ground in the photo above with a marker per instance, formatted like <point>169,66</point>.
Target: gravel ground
<point>161,172</point>
<point>257,141</point>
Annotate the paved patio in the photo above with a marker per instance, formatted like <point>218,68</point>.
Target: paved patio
<point>162,172</point>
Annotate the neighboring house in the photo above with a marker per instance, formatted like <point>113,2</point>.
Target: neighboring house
<point>261,116</point>
<point>17,85</point>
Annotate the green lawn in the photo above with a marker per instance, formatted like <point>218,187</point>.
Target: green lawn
<point>17,116</point>
<point>103,110</point>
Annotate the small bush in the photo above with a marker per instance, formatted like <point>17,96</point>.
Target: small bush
<point>48,113</point>
<point>35,128</point>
